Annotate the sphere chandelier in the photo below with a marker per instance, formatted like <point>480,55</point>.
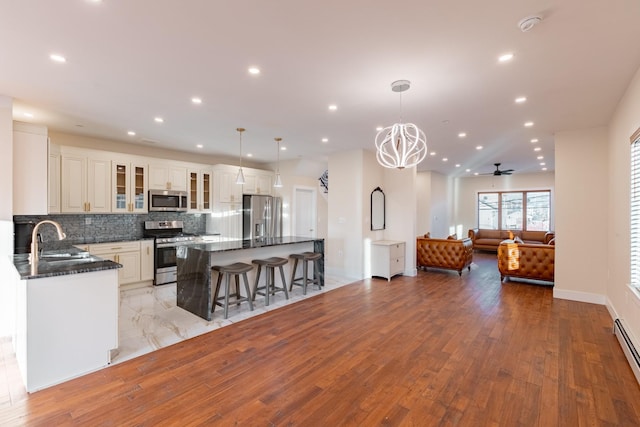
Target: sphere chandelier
<point>402,145</point>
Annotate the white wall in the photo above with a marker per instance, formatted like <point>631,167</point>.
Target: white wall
<point>302,173</point>
<point>466,190</point>
<point>434,205</point>
<point>621,301</point>
<point>582,185</point>
<point>344,247</point>
<point>402,211</point>
<point>6,160</point>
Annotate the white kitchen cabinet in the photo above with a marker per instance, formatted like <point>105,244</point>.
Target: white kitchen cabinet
<point>387,258</point>
<point>258,182</point>
<point>54,179</point>
<point>85,182</point>
<point>125,253</point>
<point>30,169</point>
<point>200,190</point>
<point>167,176</point>
<point>225,188</point>
<point>129,187</point>
<point>146,260</point>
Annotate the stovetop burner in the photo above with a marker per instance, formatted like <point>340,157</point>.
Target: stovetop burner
<point>167,231</point>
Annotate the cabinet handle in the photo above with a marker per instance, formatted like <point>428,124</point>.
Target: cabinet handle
<point>148,251</point>
<point>89,207</point>
<point>115,249</point>
<point>168,186</point>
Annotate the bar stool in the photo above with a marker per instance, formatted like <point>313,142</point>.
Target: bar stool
<point>235,269</point>
<point>305,257</point>
<point>270,287</point>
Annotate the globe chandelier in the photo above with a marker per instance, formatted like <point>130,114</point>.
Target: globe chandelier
<point>402,145</point>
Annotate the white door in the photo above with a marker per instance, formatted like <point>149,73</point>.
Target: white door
<point>304,219</point>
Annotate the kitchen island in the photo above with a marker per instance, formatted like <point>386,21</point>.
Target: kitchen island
<point>195,286</point>
<point>66,315</point>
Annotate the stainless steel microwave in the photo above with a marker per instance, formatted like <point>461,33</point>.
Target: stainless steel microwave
<point>167,201</point>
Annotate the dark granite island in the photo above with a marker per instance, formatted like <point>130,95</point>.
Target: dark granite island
<point>194,284</point>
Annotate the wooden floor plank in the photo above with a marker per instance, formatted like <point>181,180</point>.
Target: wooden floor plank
<point>436,349</point>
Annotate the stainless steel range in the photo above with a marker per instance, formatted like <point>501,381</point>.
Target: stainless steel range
<point>168,235</point>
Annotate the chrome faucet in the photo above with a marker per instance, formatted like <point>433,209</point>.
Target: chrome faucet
<point>33,257</point>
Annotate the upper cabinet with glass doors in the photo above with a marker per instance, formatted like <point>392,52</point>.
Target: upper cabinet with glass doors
<point>129,187</point>
<point>200,190</point>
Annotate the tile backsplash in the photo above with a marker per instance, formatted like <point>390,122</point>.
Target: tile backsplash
<point>96,227</point>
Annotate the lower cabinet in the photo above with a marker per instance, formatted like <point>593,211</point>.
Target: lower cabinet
<point>133,256</point>
<point>387,258</point>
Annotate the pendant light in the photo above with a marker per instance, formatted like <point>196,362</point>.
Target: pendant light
<point>278,182</point>
<point>240,177</point>
<point>401,145</point>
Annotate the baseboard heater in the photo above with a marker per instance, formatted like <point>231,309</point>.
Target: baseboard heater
<point>627,347</point>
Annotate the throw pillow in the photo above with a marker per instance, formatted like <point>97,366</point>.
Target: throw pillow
<point>517,239</point>
<point>453,237</point>
<point>427,235</point>
<point>552,241</point>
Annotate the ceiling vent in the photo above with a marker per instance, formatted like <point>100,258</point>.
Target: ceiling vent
<point>526,24</point>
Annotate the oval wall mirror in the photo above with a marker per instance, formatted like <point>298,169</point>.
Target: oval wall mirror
<point>377,209</point>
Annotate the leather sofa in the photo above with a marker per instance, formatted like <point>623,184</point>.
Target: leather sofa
<point>489,240</point>
<point>452,254</point>
<point>526,261</point>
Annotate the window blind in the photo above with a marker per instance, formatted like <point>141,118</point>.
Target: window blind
<point>635,212</point>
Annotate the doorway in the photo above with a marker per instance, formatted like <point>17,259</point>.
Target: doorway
<point>305,212</point>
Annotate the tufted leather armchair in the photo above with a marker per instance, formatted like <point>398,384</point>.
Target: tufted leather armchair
<point>527,261</point>
<point>444,253</point>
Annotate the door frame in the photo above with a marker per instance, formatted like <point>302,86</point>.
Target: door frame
<point>314,210</point>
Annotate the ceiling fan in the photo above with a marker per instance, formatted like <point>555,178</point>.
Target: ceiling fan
<point>499,172</point>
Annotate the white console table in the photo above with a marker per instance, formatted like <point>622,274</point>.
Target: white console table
<point>387,258</point>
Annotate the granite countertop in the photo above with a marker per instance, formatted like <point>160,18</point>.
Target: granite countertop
<point>235,245</point>
<point>109,239</point>
<point>59,259</point>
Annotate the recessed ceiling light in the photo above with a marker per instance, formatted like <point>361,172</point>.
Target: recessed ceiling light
<point>537,149</point>
<point>249,155</point>
<point>528,124</point>
<point>433,153</point>
<point>254,70</point>
<point>131,133</point>
<point>476,173</point>
<point>199,146</point>
<point>542,163</point>
<point>457,165</point>
<point>159,120</point>
<point>379,128</point>
<point>479,147</point>
<point>333,107</point>
<point>467,170</point>
<point>534,140</point>
<point>444,159</point>
<point>505,57</point>
<point>196,100</point>
<point>325,139</point>
<point>540,157</point>
<point>28,115</point>
<point>462,134</point>
<point>283,148</point>
<point>544,169</point>
<point>57,58</point>
<point>521,99</point>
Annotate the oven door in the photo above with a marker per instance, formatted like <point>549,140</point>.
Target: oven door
<point>166,267</point>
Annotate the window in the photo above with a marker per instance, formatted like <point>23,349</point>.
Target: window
<point>515,210</point>
<point>635,209</point>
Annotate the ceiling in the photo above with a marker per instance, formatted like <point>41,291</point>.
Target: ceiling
<point>128,62</point>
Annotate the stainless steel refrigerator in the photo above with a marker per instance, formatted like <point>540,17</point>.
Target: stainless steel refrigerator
<point>261,217</point>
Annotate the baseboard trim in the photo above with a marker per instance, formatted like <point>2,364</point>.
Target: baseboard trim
<point>579,296</point>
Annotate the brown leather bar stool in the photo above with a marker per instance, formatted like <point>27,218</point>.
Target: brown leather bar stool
<point>235,269</point>
<point>270,287</point>
<point>303,281</point>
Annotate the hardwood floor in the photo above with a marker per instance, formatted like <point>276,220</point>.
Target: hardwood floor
<point>437,349</point>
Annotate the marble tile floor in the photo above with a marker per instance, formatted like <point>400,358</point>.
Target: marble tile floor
<point>149,318</point>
